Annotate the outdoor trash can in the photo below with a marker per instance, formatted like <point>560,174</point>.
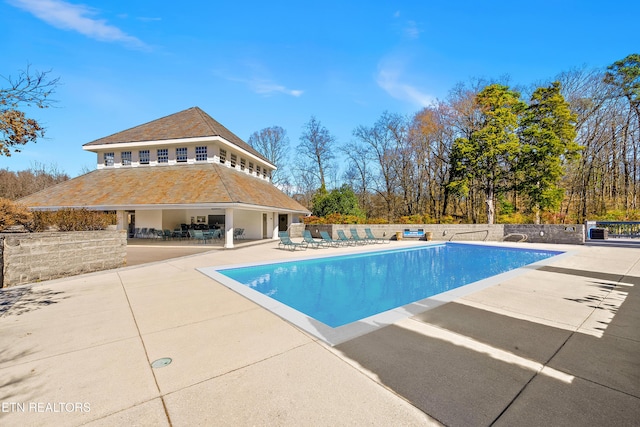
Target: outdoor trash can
<point>398,235</point>
<point>598,233</point>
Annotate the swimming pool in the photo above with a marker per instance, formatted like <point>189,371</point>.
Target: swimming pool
<point>340,290</point>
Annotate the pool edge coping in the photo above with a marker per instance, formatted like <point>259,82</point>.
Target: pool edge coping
<point>335,336</point>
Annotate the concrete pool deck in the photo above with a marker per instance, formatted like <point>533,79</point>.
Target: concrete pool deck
<point>558,345</point>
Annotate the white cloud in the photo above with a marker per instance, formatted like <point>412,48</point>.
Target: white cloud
<point>411,30</point>
<point>263,86</point>
<point>390,78</point>
<point>77,17</point>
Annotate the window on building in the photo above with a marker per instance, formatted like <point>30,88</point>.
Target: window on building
<point>234,159</point>
<point>144,157</point>
<point>108,159</point>
<point>251,168</point>
<point>181,154</point>
<point>264,172</point>
<point>125,156</point>
<point>163,155</point>
<point>258,170</point>
<point>243,162</point>
<point>201,154</point>
<point>223,156</point>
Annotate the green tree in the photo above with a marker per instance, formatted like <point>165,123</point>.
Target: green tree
<point>486,159</point>
<point>548,141</point>
<point>625,75</point>
<point>341,200</point>
<point>27,90</point>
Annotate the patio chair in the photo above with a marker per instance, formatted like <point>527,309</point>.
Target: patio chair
<point>356,238</point>
<point>306,236</point>
<point>136,232</point>
<point>286,242</point>
<point>166,234</point>
<point>373,238</point>
<point>344,239</point>
<point>330,240</point>
<point>238,233</point>
<point>199,236</point>
<point>143,233</point>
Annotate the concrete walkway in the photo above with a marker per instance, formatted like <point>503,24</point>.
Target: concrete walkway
<point>559,345</point>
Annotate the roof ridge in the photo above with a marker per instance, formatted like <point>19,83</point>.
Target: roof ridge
<point>204,116</point>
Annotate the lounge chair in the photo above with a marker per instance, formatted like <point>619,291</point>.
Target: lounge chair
<point>359,240</point>
<point>373,238</point>
<point>286,242</point>
<point>306,236</point>
<point>325,237</point>
<point>344,239</point>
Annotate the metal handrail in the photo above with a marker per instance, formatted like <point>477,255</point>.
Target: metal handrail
<point>469,232</point>
<point>523,237</point>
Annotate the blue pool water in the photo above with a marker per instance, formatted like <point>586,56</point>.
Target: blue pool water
<point>343,289</point>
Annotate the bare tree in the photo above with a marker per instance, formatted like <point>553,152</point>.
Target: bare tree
<point>15,185</point>
<point>359,173</point>
<point>273,143</point>
<point>381,141</point>
<point>317,148</point>
<point>27,90</point>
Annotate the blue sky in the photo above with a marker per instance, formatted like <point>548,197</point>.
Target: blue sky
<point>256,64</point>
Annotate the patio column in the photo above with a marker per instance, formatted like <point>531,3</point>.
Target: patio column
<point>228,228</point>
<point>121,216</point>
<point>275,222</point>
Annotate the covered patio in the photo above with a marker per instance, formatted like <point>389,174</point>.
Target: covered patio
<point>168,197</point>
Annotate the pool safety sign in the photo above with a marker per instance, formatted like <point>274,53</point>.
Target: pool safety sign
<point>413,232</point>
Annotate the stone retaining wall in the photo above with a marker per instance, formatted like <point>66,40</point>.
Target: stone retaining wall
<point>33,257</point>
<point>544,233</point>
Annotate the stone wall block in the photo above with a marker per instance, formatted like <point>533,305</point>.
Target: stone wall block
<point>31,257</point>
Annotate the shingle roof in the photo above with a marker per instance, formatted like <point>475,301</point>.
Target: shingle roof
<point>115,188</point>
<point>190,123</point>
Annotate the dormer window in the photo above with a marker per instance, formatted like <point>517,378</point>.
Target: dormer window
<point>144,157</point>
<point>125,157</point>
<point>223,156</point>
<point>108,159</point>
<point>181,154</point>
<point>201,154</point>
<point>163,155</point>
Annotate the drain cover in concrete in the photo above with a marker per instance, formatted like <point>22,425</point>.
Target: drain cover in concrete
<point>161,363</point>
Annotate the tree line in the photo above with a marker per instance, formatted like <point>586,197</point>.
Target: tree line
<point>560,152</point>
<point>15,185</point>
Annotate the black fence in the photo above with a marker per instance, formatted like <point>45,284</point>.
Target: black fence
<point>621,229</point>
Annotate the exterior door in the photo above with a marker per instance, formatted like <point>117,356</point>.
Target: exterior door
<point>283,222</point>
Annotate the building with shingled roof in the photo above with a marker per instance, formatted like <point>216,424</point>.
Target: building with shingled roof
<point>182,169</point>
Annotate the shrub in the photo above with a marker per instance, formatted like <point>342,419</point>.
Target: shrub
<point>377,221</point>
<point>12,213</point>
<point>72,220</point>
<point>514,218</point>
<point>620,215</point>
